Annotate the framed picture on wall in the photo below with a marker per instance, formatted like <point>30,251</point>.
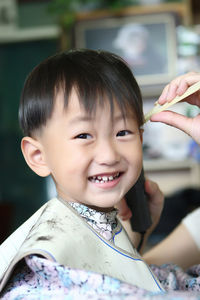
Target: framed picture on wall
<point>146,42</point>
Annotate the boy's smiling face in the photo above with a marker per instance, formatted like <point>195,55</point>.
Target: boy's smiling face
<point>94,159</point>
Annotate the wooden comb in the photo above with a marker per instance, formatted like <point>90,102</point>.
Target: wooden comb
<point>158,108</point>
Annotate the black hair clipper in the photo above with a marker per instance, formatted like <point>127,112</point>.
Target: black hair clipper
<point>138,203</point>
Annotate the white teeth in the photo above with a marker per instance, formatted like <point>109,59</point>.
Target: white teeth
<point>103,179</point>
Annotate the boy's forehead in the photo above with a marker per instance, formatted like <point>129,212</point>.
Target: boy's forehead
<point>76,106</point>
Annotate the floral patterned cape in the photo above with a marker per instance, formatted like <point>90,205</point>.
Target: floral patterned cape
<point>39,278</point>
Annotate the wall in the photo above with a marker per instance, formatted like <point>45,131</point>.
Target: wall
<point>19,186</point>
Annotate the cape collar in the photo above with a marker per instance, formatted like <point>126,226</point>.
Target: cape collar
<point>104,223</point>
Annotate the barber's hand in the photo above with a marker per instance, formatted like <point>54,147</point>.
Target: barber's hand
<point>155,201</point>
<point>178,86</point>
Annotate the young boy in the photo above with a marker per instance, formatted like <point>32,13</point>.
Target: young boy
<point>81,114</point>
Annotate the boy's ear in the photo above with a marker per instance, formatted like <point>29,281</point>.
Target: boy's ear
<point>34,156</point>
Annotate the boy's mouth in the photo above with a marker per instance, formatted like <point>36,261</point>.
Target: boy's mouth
<point>104,178</point>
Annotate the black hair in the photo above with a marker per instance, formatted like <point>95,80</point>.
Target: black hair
<point>97,76</point>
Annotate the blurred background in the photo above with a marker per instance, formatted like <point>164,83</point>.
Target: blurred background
<point>159,40</point>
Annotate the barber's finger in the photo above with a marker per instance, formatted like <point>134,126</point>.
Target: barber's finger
<point>162,98</point>
<point>178,86</point>
<point>174,119</point>
<point>151,187</point>
<point>156,197</point>
<point>172,92</point>
<point>124,211</point>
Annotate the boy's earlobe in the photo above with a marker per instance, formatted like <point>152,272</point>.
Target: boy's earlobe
<point>34,156</point>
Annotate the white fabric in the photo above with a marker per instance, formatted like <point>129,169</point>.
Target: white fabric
<point>192,223</point>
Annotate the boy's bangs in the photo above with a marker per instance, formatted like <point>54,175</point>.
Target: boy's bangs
<point>99,97</point>
<point>93,96</point>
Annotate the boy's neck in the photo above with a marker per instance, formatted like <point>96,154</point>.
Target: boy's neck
<point>100,209</point>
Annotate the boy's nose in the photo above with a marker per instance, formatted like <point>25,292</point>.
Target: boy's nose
<point>107,153</point>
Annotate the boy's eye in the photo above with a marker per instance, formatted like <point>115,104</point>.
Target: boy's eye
<point>123,133</point>
<point>84,136</point>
